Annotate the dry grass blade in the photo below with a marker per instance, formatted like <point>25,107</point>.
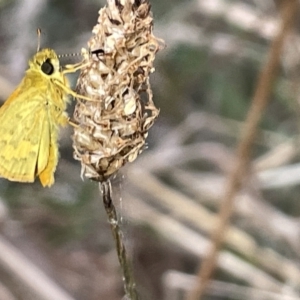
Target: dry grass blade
<point>176,281</point>
<point>34,282</point>
<point>259,103</point>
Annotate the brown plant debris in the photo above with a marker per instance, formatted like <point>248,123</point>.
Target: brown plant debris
<point>113,127</point>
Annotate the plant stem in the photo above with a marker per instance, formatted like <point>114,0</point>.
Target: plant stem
<point>129,283</point>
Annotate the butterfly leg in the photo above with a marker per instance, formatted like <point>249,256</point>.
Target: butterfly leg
<point>71,92</point>
<point>75,67</point>
<point>73,123</point>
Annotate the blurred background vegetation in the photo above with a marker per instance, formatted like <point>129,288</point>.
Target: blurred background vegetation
<point>168,198</point>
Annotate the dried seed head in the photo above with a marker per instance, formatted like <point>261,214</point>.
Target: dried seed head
<point>112,129</point>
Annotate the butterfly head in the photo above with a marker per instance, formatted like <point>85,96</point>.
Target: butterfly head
<point>46,61</point>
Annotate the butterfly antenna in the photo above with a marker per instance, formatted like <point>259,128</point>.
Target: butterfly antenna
<point>38,31</point>
<point>68,55</point>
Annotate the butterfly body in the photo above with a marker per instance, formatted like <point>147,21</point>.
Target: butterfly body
<point>30,120</point>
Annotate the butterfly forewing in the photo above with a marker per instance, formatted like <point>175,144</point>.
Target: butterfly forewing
<point>29,122</point>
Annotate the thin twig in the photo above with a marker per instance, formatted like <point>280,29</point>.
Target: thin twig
<point>260,100</point>
<point>129,283</point>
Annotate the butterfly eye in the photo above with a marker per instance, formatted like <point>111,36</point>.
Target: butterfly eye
<point>47,67</point>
